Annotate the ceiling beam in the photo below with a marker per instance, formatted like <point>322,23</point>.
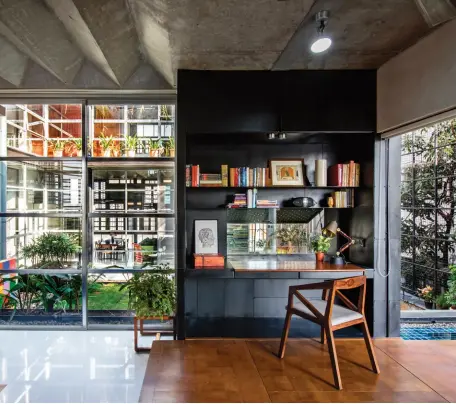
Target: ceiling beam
<point>436,12</point>
<point>68,14</point>
<point>12,63</point>
<point>111,25</point>
<point>35,31</point>
<point>149,17</point>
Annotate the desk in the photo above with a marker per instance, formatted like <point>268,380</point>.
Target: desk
<point>290,266</point>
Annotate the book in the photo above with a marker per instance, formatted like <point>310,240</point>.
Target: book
<point>188,175</point>
<point>224,170</point>
<point>232,177</point>
<point>335,175</point>
<point>195,176</point>
<point>351,173</point>
<point>357,174</point>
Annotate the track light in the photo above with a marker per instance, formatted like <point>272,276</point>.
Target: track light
<point>322,42</point>
<point>282,136</point>
<point>271,136</point>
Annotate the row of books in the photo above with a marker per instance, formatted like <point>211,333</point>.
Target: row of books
<point>344,199</point>
<point>249,177</point>
<point>238,177</point>
<point>250,200</point>
<point>344,175</point>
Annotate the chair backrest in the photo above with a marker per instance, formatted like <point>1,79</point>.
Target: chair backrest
<point>345,284</point>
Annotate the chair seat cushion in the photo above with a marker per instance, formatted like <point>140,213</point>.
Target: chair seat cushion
<point>340,314</point>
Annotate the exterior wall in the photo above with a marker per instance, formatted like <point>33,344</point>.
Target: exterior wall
<point>419,82</point>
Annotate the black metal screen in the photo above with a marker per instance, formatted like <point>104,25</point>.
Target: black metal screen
<point>428,202</point>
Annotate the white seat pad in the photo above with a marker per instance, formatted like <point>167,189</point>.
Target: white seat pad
<point>340,314</point>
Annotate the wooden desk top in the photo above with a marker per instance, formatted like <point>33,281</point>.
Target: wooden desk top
<point>289,266</point>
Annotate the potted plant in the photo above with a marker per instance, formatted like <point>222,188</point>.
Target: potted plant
<point>130,145</point>
<point>105,144</point>
<point>427,294</point>
<point>441,302</point>
<point>77,146</point>
<point>155,147</point>
<point>320,245</point>
<point>451,293</point>
<point>170,147</point>
<point>58,147</point>
<point>152,293</point>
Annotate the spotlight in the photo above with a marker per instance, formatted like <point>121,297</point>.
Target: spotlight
<point>271,136</point>
<point>282,136</point>
<point>321,42</point>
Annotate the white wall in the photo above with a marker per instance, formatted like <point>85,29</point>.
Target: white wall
<point>419,82</point>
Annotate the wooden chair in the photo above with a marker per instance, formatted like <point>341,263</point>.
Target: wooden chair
<point>330,316</point>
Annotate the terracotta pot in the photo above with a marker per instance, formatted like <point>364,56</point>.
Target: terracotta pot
<point>172,152</point>
<point>453,307</point>
<point>131,153</point>
<point>428,305</point>
<point>58,153</point>
<point>154,153</point>
<point>319,256</point>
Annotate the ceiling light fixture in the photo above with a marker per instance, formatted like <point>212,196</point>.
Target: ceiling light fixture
<point>322,42</point>
<point>282,136</point>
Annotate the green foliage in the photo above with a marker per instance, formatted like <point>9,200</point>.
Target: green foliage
<point>156,144</point>
<point>427,196</point>
<point>451,292</point>
<point>320,243</point>
<point>427,293</point>
<point>58,144</point>
<point>108,297</point>
<point>149,242</point>
<point>50,249</point>
<point>106,142</point>
<point>77,143</point>
<point>441,302</point>
<point>170,143</point>
<point>152,293</point>
<point>131,142</point>
<point>165,113</point>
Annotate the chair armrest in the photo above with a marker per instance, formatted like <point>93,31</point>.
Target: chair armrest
<point>312,286</point>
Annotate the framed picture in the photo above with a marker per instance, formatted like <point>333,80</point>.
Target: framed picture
<point>287,172</point>
<point>206,237</point>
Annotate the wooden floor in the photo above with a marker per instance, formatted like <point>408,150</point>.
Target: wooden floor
<point>249,371</point>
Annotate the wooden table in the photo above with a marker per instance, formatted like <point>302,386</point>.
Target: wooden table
<point>290,266</point>
<point>138,324</point>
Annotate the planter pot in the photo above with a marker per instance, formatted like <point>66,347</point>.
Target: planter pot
<point>172,152</point>
<point>440,307</point>
<point>429,305</point>
<point>79,153</point>
<point>131,153</point>
<point>319,256</point>
<point>453,308</point>
<point>58,153</point>
<point>154,153</point>
<point>106,153</point>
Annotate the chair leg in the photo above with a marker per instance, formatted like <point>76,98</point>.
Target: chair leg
<point>283,341</point>
<point>333,356</point>
<point>323,336</point>
<point>370,347</point>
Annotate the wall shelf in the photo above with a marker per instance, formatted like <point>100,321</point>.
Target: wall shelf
<point>273,187</point>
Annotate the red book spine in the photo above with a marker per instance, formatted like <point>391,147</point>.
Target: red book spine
<point>195,176</point>
<point>335,175</point>
<point>236,177</point>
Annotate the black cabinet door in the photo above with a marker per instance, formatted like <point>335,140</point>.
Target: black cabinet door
<point>228,102</point>
<point>328,101</point>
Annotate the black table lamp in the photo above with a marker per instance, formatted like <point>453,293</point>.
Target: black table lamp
<point>331,230</point>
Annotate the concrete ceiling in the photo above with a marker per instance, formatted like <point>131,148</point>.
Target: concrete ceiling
<point>140,44</point>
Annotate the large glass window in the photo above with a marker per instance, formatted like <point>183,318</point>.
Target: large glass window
<point>74,228</point>
<point>428,203</point>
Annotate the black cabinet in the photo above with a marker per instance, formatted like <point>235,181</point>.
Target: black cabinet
<point>228,102</point>
<point>328,101</point>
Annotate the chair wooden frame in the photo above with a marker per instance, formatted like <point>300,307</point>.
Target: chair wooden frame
<point>331,290</point>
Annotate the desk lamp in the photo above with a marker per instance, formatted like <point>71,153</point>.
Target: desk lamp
<point>331,230</point>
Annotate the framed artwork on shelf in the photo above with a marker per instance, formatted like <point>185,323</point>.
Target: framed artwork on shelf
<point>287,172</point>
<point>206,237</point>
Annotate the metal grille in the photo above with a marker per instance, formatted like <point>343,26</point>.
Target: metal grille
<point>428,206</point>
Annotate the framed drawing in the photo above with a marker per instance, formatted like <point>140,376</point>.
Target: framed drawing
<point>287,172</point>
<point>206,237</point>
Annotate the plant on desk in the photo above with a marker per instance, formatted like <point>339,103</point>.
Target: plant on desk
<point>320,245</point>
<point>152,293</point>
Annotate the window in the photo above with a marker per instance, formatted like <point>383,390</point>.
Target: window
<point>428,203</point>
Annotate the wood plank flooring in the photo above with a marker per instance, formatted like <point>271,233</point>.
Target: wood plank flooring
<point>250,371</point>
